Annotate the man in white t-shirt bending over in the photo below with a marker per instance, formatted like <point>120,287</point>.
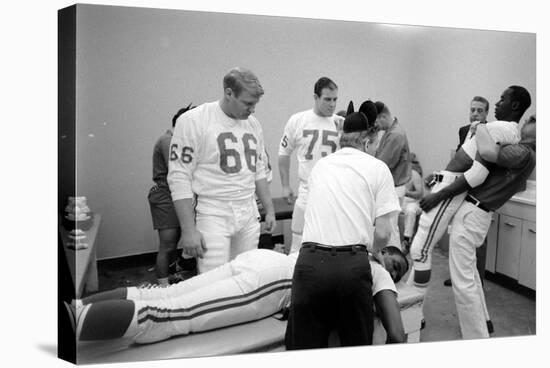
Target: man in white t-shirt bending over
<point>313,134</point>
<point>349,193</point>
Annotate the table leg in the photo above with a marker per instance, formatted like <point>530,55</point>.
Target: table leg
<point>92,279</point>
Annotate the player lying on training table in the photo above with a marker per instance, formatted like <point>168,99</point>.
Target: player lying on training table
<point>255,285</point>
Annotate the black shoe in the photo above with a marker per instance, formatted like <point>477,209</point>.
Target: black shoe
<point>448,282</point>
<point>490,327</point>
<point>406,246</point>
<point>186,264</point>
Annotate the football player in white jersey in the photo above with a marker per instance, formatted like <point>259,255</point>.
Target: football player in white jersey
<point>216,166</point>
<point>313,134</point>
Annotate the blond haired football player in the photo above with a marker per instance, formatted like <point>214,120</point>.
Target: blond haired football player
<point>217,157</point>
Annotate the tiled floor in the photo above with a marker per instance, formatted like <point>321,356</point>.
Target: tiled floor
<point>512,314</point>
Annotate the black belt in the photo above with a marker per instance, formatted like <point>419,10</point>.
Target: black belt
<point>342,248</point>
<point>473,200</point>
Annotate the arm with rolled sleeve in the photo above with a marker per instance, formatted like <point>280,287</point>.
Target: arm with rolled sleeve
<point>390,152</point>
<point>514,156</point>
<point>386,205</point>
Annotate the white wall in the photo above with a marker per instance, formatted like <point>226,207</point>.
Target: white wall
<point>136,67</point>
<point>454,65</point>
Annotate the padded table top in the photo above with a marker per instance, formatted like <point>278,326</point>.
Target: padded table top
<point>262,335</point>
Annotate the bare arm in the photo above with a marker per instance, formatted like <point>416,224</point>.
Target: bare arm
<point>390,314</point>
<point>458,186</point>
<point>417,190</point>
<point>191,239</point>
<point>284,172</point>
<point>382,231</point>
<point>263,192</point>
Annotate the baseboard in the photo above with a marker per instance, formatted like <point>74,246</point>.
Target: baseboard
<point>139,260</point>
<point>511,284</point>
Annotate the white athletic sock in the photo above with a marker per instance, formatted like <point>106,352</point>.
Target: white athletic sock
<point>133,329</point>
<point>186,256</point>
<point>163,281</point>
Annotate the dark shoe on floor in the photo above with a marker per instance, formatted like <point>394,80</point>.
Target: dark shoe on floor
<point>186,264</point>
<point>406,246</point>
<point>175,278</point>
<point>490,327</point>
<point>448,282</point>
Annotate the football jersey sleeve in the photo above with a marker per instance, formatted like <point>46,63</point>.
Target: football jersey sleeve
<point>504,132</point>
<point>288,141</point>
<point>184,148</point>
<point>261,159</point>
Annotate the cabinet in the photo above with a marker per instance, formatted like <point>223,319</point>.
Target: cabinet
<point>492,238</point>
<point>509,246</point>
<point>511,243</point>
<point>528,255</point>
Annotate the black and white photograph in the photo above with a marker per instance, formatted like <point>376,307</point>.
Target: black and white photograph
<point>235,183</point>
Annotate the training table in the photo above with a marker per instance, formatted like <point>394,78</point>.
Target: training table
<point>265,335</point>
<point>283,210</point>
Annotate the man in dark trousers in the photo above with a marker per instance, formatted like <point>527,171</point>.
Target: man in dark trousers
<point>348,213</point>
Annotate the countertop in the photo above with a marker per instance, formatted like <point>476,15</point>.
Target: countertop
<point>528,196</point>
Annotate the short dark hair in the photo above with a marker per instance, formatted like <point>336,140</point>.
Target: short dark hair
<point>181,111</point>
<point>381,107</point>
<point>482,100</point>
<point>521,95</point>
<point>324,82</point>
<point>391,250</point>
